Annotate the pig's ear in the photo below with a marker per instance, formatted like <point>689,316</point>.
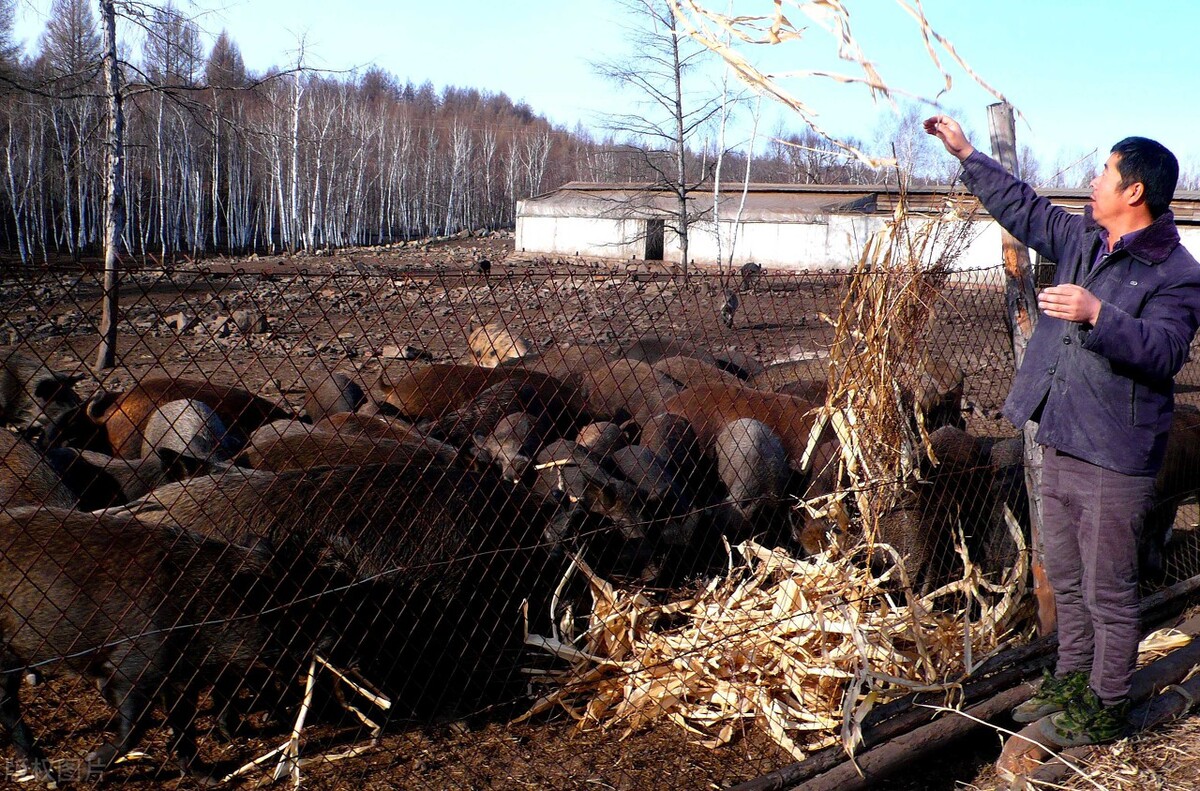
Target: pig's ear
<point>98,404</point>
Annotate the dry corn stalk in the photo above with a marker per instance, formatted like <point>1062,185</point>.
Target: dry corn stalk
<point>878,387</point>
<point>801,649</point>
<point>729,35</point>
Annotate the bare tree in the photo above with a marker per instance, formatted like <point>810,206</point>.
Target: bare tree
<point>671,114</point>
<point>9,51</point>
<point>114,204</point>
<point>224,71</point>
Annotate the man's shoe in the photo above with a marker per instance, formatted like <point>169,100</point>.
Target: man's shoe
<point>1087,721</point>
<point>1053,697</point>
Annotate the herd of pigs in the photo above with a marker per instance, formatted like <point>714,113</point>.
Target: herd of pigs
<point>185,536</point>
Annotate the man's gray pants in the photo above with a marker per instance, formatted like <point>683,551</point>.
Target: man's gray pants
<point>1091,521</point>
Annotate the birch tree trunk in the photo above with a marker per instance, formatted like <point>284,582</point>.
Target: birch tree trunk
<point>294,216</point>
<point>114,215</point>
<point>680,149</point>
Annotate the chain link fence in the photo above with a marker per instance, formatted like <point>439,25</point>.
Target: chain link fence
<point>410,519</point>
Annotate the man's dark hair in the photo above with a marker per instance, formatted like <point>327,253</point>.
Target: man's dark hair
<point>1151,163</point>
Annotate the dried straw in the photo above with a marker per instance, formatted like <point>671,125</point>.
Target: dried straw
<point>723,34</point>
<point>804,649</point>
<point>878,360</point>
<point>801,649</point>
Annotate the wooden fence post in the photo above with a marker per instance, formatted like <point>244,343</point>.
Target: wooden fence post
<point>1021,297</point>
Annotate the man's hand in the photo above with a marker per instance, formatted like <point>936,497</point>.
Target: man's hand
<point>946,129</point>
<point>1070,303</point>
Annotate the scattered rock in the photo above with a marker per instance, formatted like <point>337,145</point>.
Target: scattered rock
<point>250,322</point>
<point>394,352</point>
<point>181,322</point>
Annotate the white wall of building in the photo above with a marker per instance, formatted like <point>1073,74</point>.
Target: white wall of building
<point>588,236</point>
<point>833,242</point>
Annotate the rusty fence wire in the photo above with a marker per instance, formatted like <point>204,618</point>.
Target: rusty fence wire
<point>317,511</point>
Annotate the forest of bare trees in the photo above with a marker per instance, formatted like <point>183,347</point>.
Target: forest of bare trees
<point>219,159</point>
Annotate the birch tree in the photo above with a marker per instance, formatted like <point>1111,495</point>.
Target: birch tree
<point>70,57</point>
<point>114,204</point>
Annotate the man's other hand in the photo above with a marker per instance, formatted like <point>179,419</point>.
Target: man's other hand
<point>1070,303</point>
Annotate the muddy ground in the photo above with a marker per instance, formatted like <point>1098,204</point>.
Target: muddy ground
<point>357,311</point>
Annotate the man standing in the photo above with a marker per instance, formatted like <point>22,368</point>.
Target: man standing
<point>1098,379</point>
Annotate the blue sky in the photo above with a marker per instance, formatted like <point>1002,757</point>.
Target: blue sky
<point>1084,73</point>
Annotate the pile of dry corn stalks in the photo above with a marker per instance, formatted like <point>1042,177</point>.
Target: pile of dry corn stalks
<point>803,649</point>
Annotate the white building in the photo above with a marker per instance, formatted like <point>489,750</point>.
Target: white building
<point>782,226</point>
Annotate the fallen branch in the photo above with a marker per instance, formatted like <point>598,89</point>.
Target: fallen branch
<point>290,761</point>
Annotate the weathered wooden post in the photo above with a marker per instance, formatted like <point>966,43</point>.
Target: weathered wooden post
<point>1021,298</point>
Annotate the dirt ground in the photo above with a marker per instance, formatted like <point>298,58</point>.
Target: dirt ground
<point>357,311</point>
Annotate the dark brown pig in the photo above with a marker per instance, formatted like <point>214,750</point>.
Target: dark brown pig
<point>622,389</point>
<point>712,407</point>
<point>332,394</point>
<point>565,365</point>
<point>150,613</point>
<point>27,478</point>
<point>690,372</point>
<point>32,397</point>
<point>433,391</point>
<point>100,481</point>
<point>416,576</point>
<point>190,428</point>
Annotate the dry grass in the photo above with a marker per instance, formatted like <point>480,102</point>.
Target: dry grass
<point>877,362</point>
<point>800,649</point>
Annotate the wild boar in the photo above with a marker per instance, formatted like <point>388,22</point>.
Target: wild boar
<point>565,365</point>
<point>431,392</point>
<point>690,372</point>
<point>27,478</point>
<point>512,444</point>
<point>622,389</point>
<point>150,613</point>
<point>1178,482</point>
<point>98,481</point>
<point>602,437</point>
<point>331,394</point>
<point>414,576</point>
<point>493,343</point>
<point>188,427</point>
<point>653,347</point>
<point>553,415</point>
<point>298,449</point>
<point>711,407</point>
<point>674,440</point>
<point>753,466</point>
<point>33,398</point>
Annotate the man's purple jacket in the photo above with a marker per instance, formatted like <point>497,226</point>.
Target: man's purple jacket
<point>1106,392</point>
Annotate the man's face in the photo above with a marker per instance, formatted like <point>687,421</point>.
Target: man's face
<point>1109,200</point>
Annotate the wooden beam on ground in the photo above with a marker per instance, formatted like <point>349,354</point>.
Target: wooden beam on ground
<point>905,714</point>
<point>1024,756</point>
